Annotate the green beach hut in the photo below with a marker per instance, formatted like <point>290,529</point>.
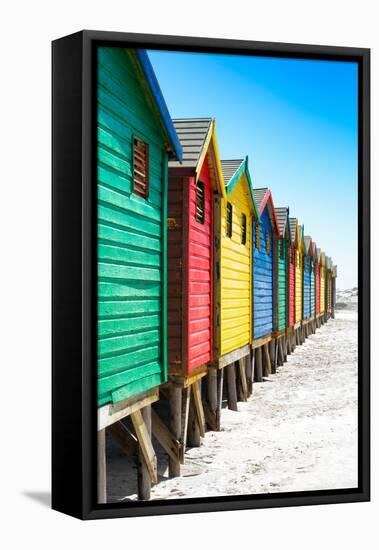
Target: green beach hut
<point>135,139</point>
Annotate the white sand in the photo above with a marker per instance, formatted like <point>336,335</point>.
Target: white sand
<point>298,431</point>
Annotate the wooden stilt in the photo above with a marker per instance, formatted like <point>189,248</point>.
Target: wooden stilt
<point>143,475</point>
<point>101,468</point>
<point>146,450</point>
<point>272,347</point>
<point>277,353</point>
<point>164,436</point>
<point>184,422</point>
<point>211,383</point>
<point>232,390</point>
<point>249,371</point>
<point>198,404</point>
<point>242,378</point>
<point>193,434</point>
<point>280,354</point>
<point>175,404</point>
<point>268,360</point>
<point>220,387</point>
<point>258,365</point>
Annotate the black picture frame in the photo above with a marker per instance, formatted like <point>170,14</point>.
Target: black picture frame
<point>74,270</point>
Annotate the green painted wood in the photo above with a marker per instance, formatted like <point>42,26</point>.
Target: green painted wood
<point>282,287</point>
<point>131,235</point>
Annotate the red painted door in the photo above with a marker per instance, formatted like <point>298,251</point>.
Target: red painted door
<point>200,272</point>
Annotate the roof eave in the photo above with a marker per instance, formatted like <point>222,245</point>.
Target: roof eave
<point>160,103</point>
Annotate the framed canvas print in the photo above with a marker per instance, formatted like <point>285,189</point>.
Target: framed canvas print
<point>211,275</point>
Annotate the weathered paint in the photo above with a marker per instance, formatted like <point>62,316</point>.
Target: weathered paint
<point>235,270</point>
<point>200,241</point>
<point>131,233</point>
<point>190,255</point>
<point>281,270</point>
<point>318,280</point>
<point>313,290</point>
<point>291,283</point>
<point>306,287</point>
<point>263,278</point>
<point>299,277</point>
<point>322,286</point>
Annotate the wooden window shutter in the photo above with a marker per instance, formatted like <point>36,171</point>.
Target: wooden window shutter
<point>200,202</point>
<point>268,243</point>
<point>229,219</point>
<point>257,235</point>
<point>140,167</point>
<point>243,229</point>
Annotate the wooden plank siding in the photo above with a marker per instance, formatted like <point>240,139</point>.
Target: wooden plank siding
<point>200,269</point>
<point>298,286</point>
<point>322,289</point>
<point>177,228</point>
<point>318,280</point>
<point>263,279</point>
<point>306,287</point>
<point>131,277</point>
<point>235,271</point>
<point>291,283</point>
<point>313,290</point>
<point>282,296</point>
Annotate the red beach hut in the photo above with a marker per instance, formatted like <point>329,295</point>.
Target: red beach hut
<point>191,185</point>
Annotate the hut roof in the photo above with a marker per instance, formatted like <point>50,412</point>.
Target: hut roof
<point>193,134</point>
<point>293,224</point>
<point>262,196</point>
<point>282,213</point>
<point>159,103</point>
<point>308,244</point>
<point>229,168</point>
<point>232,171</point>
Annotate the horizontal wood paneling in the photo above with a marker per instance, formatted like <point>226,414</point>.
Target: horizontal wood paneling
<point>176,188</point>
<point>322,289</point>
<point>236,292</point>
<point>291,292</point>
<point>282,294</point>
<point>263,281</point>
<point>130,233</point>
<point>200,274</point>
<point>306,288</point>
<point>299,287</point>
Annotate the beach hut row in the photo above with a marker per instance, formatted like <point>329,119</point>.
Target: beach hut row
<point>204,284</point>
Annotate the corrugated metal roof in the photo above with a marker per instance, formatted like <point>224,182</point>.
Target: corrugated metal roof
<point>293,223</point>
<point>229,168</point>
<point>281,215</point>
<point>259,195</point>
<point>192,133</point>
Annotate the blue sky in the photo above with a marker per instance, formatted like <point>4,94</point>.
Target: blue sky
<point>297,120</point>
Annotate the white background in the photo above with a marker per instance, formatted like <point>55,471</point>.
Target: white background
<point>27,29</point>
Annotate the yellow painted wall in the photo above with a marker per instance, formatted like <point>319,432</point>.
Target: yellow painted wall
<point>298,285</point>
<point>235,272</point>
<point>322,289</point>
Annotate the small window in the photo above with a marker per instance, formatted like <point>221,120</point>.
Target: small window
<point>200,202</point>
<point>229,219</point>
<point>268,243</point>
<point>243,229</point>
<point>140,167</point>
<point>282,249</point>
<point>257,236</point>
